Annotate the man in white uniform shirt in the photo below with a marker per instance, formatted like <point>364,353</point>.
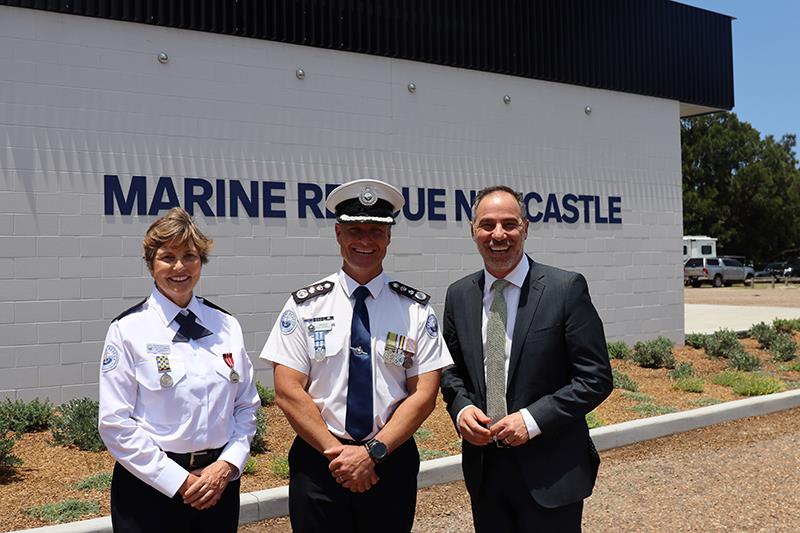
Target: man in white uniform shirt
<point>357,359</point>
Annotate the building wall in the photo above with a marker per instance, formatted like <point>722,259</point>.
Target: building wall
<point>83,98</point>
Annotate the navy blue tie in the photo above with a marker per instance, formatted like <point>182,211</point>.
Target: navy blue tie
<point>358,421</point>
<point>189,329</point>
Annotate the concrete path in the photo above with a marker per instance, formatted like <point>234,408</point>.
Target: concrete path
<point>705,318</point>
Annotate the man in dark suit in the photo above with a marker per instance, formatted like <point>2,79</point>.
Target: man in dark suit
<point>530,361</point>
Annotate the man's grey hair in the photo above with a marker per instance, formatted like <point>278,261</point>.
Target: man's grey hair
<point>483,193</point>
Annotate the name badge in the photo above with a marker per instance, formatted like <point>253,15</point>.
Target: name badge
<point>162,349</point>
<point>320,323</point>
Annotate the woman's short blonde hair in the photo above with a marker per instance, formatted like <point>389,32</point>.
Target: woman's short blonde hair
<point>176,228</point>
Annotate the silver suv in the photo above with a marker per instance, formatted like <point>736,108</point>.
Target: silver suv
<point>717,271</point>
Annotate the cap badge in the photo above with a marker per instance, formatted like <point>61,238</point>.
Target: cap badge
<point>367,197</point>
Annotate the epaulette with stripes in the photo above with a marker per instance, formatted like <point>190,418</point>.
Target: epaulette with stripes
<point>130,310</point>
<point>212,305</point>
<point>312,291</point>
<point>410,292</point>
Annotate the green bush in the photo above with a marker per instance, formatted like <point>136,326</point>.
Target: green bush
<point>618,350</point>
<point>741,360</point>
<point>683,370</point>
<point>65,511</point>
<point>101,481</point>
<point>623,381</point>
<point>785,325</point>
<point>75,424</point>
<point>655,353</point>
<point>280,467</point>
<point>757,385</point>
<point>783,348</point>
<point>689,384</point>
<point>259,442</point>
<point>763,333</point>
<point>266,394</point>
<point>593,421</point>
<point>7,459</point>
<point>696,340</point>
<point>723,343</point>
<point>22,417</point>
<point>250,467</point>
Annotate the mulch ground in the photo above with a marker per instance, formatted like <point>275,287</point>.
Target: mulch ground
<point>49,472</point>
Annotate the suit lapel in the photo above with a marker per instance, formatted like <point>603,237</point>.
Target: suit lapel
<point>529,297</point>
<point>473,313</point>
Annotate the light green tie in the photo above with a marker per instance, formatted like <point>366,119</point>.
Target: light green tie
<point>495,354</point>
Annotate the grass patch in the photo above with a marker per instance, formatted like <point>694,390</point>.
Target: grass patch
<point>423,434</point>
<point>689,384</point>
<point>280,467</point>
<point>425,454</point>
<point>624,381</point>
<point>636,396</point>
<point>64,511</point>
<point>748,384</point>
<point>101,481</point>
<point>593,421</point>
<point>728,378</point>
<point>794,368</point>
<point>705,402</point>
<point>651,409</point>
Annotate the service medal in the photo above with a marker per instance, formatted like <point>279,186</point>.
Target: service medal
<point>234,376</point>
<point>166,381</point>
<point>407,363</point>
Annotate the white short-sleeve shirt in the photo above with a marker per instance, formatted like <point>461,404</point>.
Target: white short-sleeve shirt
<point>295,343</point>
<point>199,407</point>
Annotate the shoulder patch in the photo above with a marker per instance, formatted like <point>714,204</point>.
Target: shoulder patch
<point>410,292</point>
<point>312,291</point>
<point>129,311</point>
<point>212,305</point>
<point>110,358</point>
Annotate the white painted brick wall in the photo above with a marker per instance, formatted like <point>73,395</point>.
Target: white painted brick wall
<point>80,98</point>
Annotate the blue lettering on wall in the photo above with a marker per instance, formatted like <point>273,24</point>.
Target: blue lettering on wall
<point>267,199</point>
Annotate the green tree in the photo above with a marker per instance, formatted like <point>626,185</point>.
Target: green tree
<point>738,187</point>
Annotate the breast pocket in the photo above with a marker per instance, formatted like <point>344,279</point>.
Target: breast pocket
<point>163,402</point>
<point>324,345</point>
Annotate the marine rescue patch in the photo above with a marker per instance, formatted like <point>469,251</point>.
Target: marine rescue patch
<point>312,291</point>
<point>288,322</point>
<point>110,359</point>
<point>432,326</point>
<point>410,292</point>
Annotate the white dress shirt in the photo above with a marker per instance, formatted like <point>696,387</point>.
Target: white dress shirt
<point>203,408</point>
<point>512,293</point>
<point>292,343</point>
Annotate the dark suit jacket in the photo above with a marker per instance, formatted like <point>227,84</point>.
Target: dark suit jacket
<point>559,369</point>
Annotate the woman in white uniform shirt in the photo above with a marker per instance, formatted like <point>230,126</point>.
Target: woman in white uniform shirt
<point>177,398</point>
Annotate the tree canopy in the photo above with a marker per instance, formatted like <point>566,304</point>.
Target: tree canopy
<point>739,187</point>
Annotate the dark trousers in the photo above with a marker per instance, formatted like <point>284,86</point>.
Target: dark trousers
<point>136,507</point>
<point>504,504</point>
<point>318,503</point>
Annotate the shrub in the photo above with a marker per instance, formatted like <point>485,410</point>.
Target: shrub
<point>689,384</point>
<point>101,481</point>
<point>696,340</point>
<point>741,360</point>
<point>7,459</point>
<point>280,467</point>
<point>618,350</point>
<point>64,511</point>
<point>75,424</point>
<point>723,343</point>
<point>250,467</point>
<point>259,442</point>
<point>623,381</point>
<point>593,421</point>
<point>266,394</point>
<point>785,325</point>
<point>655,353</point>
<point>783,348</point>
<point>757,385</point>
<point>683,370</point>
<point>22,417</point>
<point>763,333</point>
<point>728,378</point>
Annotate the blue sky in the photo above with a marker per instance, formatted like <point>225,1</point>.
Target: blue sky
<point>766,69</point>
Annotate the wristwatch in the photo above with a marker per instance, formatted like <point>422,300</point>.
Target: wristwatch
<point>376,450</point>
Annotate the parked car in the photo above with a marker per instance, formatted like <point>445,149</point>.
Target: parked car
<point>772,270</point>
<point>792,269</point>
<point>717,271</point>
